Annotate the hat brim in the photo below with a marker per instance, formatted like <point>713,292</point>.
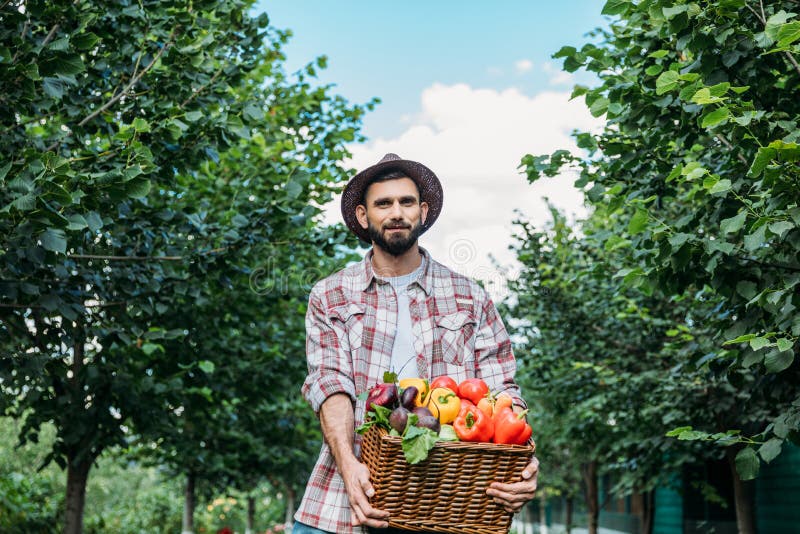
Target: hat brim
<point>429,187</point>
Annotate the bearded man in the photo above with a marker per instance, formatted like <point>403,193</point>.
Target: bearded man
<point>397,310</point>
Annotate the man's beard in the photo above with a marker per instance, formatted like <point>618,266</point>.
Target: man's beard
<point>396,245</point>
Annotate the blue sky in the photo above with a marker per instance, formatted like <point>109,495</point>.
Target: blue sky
<point>467,88</point>
<point>393,50</point>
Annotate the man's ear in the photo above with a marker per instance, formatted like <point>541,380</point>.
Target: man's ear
<point>423,206</point>
<point>361,215</point>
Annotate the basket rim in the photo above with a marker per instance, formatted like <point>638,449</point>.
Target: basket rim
<point>384,435</point>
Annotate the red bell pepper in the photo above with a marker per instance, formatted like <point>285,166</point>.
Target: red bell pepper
<point>473,425</point>
<point>511,428</point>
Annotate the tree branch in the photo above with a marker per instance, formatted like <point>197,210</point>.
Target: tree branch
<point>760,19</point>
<point>770,265</point>
<point>140,258</point>
<point>50,35</point>
<point>731,148</point>
<point>792,60</point>
<point>201,89</point>
<point>133,82</point>
<point>22,37</point>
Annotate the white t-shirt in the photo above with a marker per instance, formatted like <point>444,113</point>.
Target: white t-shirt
<point>404,358</point>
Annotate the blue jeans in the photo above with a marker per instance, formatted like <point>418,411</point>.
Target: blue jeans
<point>302,528</point>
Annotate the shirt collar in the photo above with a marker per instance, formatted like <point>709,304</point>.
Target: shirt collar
<point>425,279</point>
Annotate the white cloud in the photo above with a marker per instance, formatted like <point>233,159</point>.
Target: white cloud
<point>523,65</point>
<point>558,76</point>
<point>474,139</point>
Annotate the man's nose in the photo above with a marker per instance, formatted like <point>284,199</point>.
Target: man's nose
<point>395,211</point>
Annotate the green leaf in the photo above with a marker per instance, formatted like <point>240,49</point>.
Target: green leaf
<point>150,348</point>
<point>718,116</point>
<point>763,158</point>
<point>740,339</point>
<point>599,107</point>
<point>417,443</point>
<point>76,222</point>
<point>784,344</point>
<point>94,221</point>
<point>53,87</point>
<point>69,65</point>
<point>748,290</point>
<point>733,224</point>
<point>770,450</point>
<point>781,227</point>
<point>615,7</point>
<point>666,82</point>
<point>54,239</point>
<point>774,24</point>
<point>758,343</point>
<point>137,188</point>
<point>747,464</point>
<point>677,240</point>
<point>721,186</point>
<point>757,239</point>
<point>777,360</point>
<point>638,222</point>
<point>85,41</point>
<point>658,54</point>
<point>4,168</point>
<point>788,33</point>
<point>206,366</point>
<point>652,70</point>
<point>140,125</point>
<point>675,432</point>
<point>672,12</point>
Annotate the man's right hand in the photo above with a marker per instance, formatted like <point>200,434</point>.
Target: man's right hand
<point>359,490</point>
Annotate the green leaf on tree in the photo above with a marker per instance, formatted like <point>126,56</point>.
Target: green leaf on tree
<point>770,450</point>
<point>638,222</point>
<point>733,224</point>
<point>777,360</point>
<point>54,239</point>
<point>747,464</point>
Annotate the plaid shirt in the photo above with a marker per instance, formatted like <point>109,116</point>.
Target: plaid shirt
<point>350,327</point>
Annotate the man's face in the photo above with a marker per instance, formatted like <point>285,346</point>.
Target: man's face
<point>393,215</point>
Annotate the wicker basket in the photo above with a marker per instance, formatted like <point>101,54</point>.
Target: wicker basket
<point>446,492</point>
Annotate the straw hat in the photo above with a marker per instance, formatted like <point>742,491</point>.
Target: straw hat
<point>429,187</point>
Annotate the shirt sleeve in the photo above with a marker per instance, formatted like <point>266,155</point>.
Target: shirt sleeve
<point>329,368</point>
<point>494,358</point>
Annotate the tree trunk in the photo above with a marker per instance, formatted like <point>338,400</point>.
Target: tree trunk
<point>77,475</point>
<point>289,517</point>
<point>251,514</point>
<point>589,472</point>
<point>188,506</point>
<point>568,515</point>
<point>648,511</point>
<point>742,497</point>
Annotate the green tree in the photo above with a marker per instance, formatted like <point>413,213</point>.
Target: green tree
<point>110,219</point>
<point>696,174</point>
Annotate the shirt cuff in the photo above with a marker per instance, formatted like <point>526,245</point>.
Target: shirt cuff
<point>327,385</point>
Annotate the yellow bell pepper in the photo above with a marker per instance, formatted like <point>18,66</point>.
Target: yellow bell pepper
<point>444,404</point>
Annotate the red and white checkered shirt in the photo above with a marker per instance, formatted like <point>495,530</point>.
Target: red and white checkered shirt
<point>350,329</point>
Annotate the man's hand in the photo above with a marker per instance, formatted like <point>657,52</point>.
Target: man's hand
<point>359,490</point>
<point>512,496</point>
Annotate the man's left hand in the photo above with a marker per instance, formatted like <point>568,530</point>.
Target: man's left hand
<point>512,496</point>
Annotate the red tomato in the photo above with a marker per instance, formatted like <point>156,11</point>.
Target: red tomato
<point>445,382</point>
<point>473,389</point>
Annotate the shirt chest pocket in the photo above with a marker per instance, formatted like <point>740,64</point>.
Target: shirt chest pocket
<point>351,321</point>
<point>455,333</point>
